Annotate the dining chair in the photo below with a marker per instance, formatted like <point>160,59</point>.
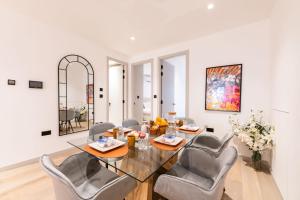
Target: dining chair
<point>211,143</point>
<point>131,123</point>
<point>98,129</point>
<point>197,175</point>
<point>81,177</point>
<point>65,117</point>
<point>186,120</point>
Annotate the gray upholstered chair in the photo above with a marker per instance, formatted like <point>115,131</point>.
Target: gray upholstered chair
<point>81,177</point>
<point>131,123</point>
<point>197,176</point>
<point>211,143</point>
<point>98,129</point>
<point>186,120</point>
<point>65,117</point>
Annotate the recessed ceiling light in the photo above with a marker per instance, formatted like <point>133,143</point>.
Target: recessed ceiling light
<point>132,38</point>
<point>210,6</point>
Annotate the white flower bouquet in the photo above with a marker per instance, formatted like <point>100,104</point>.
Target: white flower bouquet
<point>257,134</point>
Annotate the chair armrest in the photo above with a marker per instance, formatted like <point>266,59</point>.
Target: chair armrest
<point>116,189</point>
<point>176,188</point>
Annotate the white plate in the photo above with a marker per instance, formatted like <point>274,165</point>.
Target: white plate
<point>95,145</point>
<point>161,140</point>
<point>125,130</point>
<point>189,128</point>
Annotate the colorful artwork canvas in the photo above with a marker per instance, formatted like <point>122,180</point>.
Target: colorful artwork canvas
<point>223,88</point>
<point>90,93</point>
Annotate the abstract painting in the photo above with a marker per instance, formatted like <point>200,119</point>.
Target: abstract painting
<point>223,88</point>
<point>90,93</point>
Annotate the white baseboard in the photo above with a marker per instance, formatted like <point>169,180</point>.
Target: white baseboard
<point>31,161</point>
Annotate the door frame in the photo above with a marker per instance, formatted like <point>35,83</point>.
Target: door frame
<point>135,64</point>
<point>160,59</point>
<point>125,87</point>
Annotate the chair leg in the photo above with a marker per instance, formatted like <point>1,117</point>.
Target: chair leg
<point>116,170</point>
<point>75,122</point>
<point>71,126</point>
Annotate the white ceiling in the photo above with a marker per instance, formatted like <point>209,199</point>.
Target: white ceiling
<point>154,23</point>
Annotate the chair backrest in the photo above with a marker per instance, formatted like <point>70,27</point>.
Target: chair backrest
<point>98,129</point>
<point>199,162</point>
<point>186,120</point>
<point>205,164</point>
<point>81,176</point>
<point>207,139</point>
<point>130,123</point>
<point>66,115</point>
<point>63,187</point>
<point>225,161</point>
<point>226,139</point>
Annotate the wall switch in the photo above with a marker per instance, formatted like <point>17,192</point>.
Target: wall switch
<point>11,82</point>
<point>101,96</point>
<point>44,133</point>
<point>155,96</point>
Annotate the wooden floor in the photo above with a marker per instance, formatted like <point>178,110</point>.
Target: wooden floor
<point>29,182</point>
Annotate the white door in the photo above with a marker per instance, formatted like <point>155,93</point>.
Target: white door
<point>147,91</point>
<point>137,92</point>
<point>142,92</point>
<point>174,86</point>
<point>167,89</point>
<point>116,93</point>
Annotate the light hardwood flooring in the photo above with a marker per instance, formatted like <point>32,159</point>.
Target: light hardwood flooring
<point>29,182</point>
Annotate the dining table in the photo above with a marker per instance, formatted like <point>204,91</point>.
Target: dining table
<point>142,164</point>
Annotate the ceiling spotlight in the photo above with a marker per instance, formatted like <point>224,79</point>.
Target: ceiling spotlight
<point>132,38</point>
<point>210,6</point>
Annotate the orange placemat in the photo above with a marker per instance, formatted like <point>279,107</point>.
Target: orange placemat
<point>115,153</point>
<point>167,147</point>
<point>108,134</point>
<point>189,132</point>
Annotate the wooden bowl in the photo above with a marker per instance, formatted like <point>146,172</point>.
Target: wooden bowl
<point>162,130</point>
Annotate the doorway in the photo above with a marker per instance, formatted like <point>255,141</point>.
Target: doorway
<point>141,90</point>
<point>174,84</point>
<point>116,91</point>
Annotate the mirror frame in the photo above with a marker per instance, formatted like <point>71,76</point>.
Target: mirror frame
<point>63,66</point>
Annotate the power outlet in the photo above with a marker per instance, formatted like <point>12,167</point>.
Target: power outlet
<point>44,133</point>
<point>211,130</point>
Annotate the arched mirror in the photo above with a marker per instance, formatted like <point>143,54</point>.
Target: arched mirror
<point>75,94</point>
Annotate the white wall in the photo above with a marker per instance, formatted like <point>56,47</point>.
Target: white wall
<point>248,45</point>
<point>31,50</point>
<point>285,33</point>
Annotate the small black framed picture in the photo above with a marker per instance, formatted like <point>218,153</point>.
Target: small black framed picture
<point>11,82</point>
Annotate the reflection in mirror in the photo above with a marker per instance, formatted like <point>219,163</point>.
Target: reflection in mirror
<point>76,95</point>
<point>142,91</point>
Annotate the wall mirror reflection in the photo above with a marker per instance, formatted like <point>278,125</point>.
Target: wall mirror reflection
<point>75,94</point>
<point>141,91</point>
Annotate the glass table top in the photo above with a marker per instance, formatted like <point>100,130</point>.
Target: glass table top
<point>137,163</point>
